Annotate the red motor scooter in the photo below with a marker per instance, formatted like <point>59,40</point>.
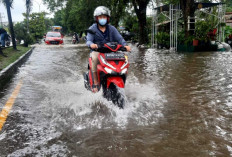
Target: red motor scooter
<point>112,72</point>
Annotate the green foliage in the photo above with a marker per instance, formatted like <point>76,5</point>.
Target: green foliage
<point>21,34</point>
<point>48,23</point>
<point>59,19</point>
<point>37,25</point>
<point>189,40</point>
<point>228,31</point>
<point>201,30</point>
<point>12,55</point>
<point>28,39</point>
<point>181,37</point>
<point>170,1</point>
<point>20,31</point>
<point>163,38</point>
<point>130,21</point>
<point>54,4</point>
<point>78,15</point>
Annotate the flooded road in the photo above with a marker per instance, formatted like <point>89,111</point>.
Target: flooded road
<point>178,104</point>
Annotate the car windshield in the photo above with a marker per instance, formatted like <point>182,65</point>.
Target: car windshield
<point>51,34</point>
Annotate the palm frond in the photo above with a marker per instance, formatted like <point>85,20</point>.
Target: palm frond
<point>10,2</point>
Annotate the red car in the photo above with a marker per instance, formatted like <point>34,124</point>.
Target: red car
<point>54,38</point>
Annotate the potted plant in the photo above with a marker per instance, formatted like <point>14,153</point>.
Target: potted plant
<point>195,41</point>
<point>212,35</point>
<point>201,29</point>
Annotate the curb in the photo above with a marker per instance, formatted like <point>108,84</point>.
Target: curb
<point>7,73</point>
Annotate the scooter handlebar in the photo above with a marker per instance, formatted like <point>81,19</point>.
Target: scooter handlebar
<point>103,48</point>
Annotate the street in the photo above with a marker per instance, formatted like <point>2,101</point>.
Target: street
<point>178,104</point>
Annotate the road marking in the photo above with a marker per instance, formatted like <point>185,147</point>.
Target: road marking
<point>6,109</point>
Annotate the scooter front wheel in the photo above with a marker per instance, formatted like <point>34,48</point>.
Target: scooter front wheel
<point>86,80</point>
<point>115,94</point>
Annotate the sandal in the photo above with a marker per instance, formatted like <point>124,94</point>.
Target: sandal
<point>97,87</point>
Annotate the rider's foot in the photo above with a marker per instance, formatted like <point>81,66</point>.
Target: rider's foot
<point>96,88</point>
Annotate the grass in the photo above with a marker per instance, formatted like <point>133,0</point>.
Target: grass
<point>12,55</point>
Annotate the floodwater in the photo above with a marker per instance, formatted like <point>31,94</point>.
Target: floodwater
<point>178,104</point>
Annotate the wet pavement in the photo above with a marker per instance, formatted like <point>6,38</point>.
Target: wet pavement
<point>178,104</point>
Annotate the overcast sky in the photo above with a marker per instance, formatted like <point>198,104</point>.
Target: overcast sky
<point>19,8</point>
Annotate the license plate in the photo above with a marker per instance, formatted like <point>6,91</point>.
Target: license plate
<point>115,56</point>
<point>54,42</point>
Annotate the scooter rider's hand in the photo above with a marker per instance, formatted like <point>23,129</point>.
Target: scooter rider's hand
<point>128,48</point>
<point>94,46</point>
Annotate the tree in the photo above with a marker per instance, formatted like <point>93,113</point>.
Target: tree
<point>84,15</point>
<point>28,10</point>
<point>20,31</point>
<point>37,25</point>
<point>48,23</point>
<point>8,4</point>
<point>140,7</point>
<point>118,9</point>
<point>53,5</point>
<point>188,9</point>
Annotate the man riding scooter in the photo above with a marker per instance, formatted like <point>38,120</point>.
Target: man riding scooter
<point>103,33</point>
<point>3,34</point>
<point>75,38</point>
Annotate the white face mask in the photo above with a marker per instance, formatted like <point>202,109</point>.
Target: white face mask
<point>102,22</point>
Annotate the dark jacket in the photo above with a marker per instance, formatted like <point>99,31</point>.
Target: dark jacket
<point>112,36</point>
<point>2,30</point>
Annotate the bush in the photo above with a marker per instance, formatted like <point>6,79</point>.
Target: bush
<point>28,39</point>
<point>201,30</point>
<point>21,34</point>
<point>163,39</point>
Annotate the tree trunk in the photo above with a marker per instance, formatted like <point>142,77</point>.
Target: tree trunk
<point>188,9</point>
<point>10,24</point>
<point>27,16</point>
<point>140,7</point>
<point>143,36</point>
<point>28,10</point>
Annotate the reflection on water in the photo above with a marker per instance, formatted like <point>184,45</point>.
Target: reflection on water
<point>178,104</point>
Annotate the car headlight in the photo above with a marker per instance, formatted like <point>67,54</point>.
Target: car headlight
<point>106,63</point>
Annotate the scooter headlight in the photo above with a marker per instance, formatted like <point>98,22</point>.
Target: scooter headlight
<point>126,62</point>
<point>106,63</point>
<point>124,71</point>
<point>109,71</point>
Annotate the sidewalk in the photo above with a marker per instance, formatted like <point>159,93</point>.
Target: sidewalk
<point>10,64</point>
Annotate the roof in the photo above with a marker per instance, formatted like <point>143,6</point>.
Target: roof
<point>197,5</point>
